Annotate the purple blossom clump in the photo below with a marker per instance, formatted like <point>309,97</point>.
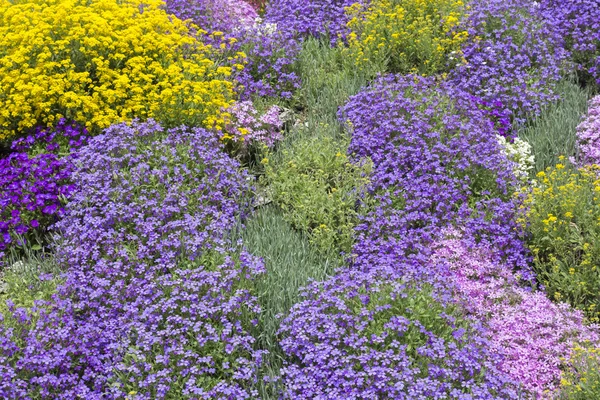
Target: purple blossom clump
<point>35,180</point>
<point>318,18</point>
<point>155,303</point>
<point>437,162</point>
<point>512,55</point>
<point>269,63</point>
<point>533,334</point>
<point>578,22</point>
<point>588,134</point>
<point>372,336</point>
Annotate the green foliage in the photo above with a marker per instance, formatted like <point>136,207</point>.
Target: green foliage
<point>290,262</point>
<point>564,235</point>
<point>35,276</point>
<point>553,133</point>
<point>329,77</point>
<point>581,381</point>
<point>310,175</point>
<point>316,185</point>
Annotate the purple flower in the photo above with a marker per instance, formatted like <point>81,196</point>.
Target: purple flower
<point>156,296</point>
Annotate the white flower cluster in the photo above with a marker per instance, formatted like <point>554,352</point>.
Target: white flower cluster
<point>519,152</point>
<point>264,28</point>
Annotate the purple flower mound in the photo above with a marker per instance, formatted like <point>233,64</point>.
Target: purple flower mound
<point>268,70</point>
<point>155,299</point>
<point>372,336</point>
<point>513,55</point>
<point>437,162</point>
<point>34,179</point>
<point>534,335</point>
<point>318,18</point>
<point>579,22</point>
<point>588,134</point>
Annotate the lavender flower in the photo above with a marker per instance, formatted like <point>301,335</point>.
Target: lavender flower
<point>513,55</point>
<point>155,298</point>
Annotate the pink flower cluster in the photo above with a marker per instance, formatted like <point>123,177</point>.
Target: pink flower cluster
<point>588,134</point>
<point>249,126</point>
<point>534,335</point>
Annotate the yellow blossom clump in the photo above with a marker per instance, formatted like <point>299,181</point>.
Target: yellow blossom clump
<point>563,222</point>
<point>581,380</point>
<point>407,36</point>
<point>98,62</point>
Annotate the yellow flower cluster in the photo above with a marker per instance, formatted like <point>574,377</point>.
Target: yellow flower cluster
<point>407,36</point>
<point>563,219</point>
<point>103,61</point>
<point>582,379</point>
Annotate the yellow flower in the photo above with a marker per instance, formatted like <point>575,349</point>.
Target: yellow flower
<point>75,59</point>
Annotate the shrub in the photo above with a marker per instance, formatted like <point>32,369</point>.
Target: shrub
<point>408,36</point>
<point>314,182</point>
<point>247,127</point>
<point>519,152</point>
<point>34,186</point>
<point>368,335</point>
<point>156,301</point>
<point>512,55</point>
<point>588,135</point>
<point>101,62</point>
<point>563,225</point>
<point>582,380</point>
<point>554,132</point>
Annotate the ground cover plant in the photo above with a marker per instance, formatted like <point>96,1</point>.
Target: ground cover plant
<point>101,63</point>
<point>299,199</point>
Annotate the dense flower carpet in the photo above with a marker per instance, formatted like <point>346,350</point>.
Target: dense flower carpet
<point>300,199</point>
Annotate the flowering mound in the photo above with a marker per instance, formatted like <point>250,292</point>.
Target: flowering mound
<point>155,301</point>
<point>370,336</point>
<point>318,18</point>
<point>579,23</point>
<point>513,55</point>
<point>436,162</point>
<point>409,36</point>
<point>32,186</point>
<point>103,61</point>
<point>588,134</point>
<point>534,335</point>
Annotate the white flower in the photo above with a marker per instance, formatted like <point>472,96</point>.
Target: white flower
<point>519,152</point>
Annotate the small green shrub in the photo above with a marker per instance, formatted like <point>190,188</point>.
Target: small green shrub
<point>564,235</point>
<point>553,133</point>
<point>314,182</point>
<point>582,380</point>
<point>290,262</point>
<point>329,77</point>
<point>407,36</point>
<point>24,281</point>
